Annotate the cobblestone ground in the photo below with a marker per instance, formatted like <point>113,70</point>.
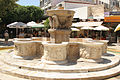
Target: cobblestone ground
<point>8,77</point>
<point>115,49</point>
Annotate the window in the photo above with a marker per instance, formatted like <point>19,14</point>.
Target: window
<point>113,3</point>
<point>106,5</point>
<point>102,2</point>
<point>99,2</point>
<point>117,4</point>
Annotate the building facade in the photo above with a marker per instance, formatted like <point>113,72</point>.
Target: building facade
<point>67,4</point>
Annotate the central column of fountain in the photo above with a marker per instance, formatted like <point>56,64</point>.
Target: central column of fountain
<point>55,51</point>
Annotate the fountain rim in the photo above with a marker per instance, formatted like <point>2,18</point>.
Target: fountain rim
<point>58,12</point>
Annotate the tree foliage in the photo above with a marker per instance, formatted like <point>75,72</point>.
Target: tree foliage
<point>46,23</point>
<point>6,5</point>
<point>24,14</point>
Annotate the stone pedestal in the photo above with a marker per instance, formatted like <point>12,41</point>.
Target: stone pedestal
<point>59,36</point>
<point>54,53</point>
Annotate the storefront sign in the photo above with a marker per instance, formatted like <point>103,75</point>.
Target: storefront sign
<point>112,19</point>
<point>106,14</point>
<point>115,13</point>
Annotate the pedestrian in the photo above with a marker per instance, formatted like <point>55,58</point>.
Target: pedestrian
<point>39,33</point>
<point>11,34</point>
<point>21,35</point>
<point>6,35</point>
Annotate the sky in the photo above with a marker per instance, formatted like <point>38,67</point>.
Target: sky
<point>29,2</point>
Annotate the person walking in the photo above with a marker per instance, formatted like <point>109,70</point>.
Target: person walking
<point>6,35</point>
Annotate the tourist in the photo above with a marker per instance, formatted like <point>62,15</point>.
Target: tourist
<point>21,35</point>
<point>81,36</point>
<point>6,35</point>
<point>11,34</point>
<point>39,33</point>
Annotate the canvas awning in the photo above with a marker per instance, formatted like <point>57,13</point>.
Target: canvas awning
<point>81,24</point>
<point>117,28</point>
<point>38,26</point>
<point>75,29</point>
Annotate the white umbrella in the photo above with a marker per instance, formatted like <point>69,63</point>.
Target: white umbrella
<point>9,25</point>
<point>87,28</point>
<point>17,25</point>
<point>32,23</point>
<point>101,28</point>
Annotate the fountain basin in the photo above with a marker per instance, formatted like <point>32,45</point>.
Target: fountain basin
<point>91,50</point>
<point>55,53</point>
<point>28,49</point>
<point>104,48</point>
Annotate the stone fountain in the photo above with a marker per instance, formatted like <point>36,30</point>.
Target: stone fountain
<point>60,58</point>
<point>56,50</point>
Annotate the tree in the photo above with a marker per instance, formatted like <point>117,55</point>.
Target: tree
<point>46,23</point>
<point>24,14</point>
<point>6,5</point>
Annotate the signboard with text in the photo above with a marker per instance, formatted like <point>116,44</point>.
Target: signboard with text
<point>115,13</point>
<point>106,14</point>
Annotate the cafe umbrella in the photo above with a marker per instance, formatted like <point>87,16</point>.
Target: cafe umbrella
<point>87,28</point>
<point>101,28</point>
<point>17,25</point>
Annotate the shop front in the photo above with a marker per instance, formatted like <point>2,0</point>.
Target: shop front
<point>112,22</point>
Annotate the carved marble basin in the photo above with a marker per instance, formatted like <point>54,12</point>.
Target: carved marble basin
<point>60,12</point>
<point>64,18</point>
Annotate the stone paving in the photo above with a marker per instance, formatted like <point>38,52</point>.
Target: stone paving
<point>8,77</point>
<point>115,49</point>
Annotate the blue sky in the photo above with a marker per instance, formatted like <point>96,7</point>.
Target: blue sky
<point>29,2</point>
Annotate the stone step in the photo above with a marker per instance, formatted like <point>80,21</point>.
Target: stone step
<point>9,77</point>
<point>38,75</point>
<point>36,65</point>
